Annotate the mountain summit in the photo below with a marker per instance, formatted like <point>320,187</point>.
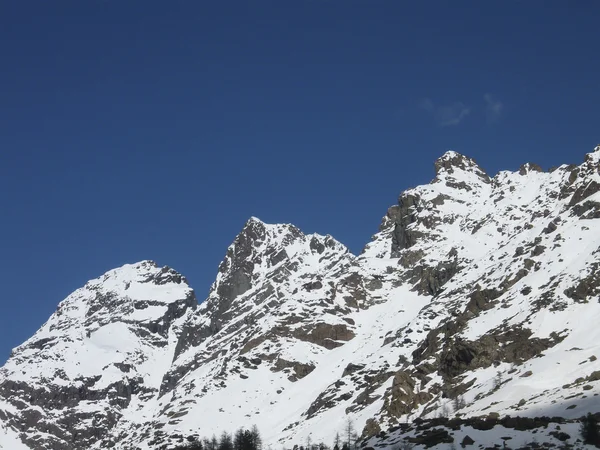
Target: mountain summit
<point>451,162</point>
<point>477,297</point>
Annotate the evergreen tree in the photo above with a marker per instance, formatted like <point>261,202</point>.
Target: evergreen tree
<point>445,412</point>
<point>256,439</point>
<point>349,429</point>
<point>238,439</point>
<point>355,439</point>
<point>248,441</point>
<point>590,430</point>
<point>458,403</point>
<point>242,439</point>
<point>225,442</point>
<point>498,380</point>
<point>336,441</point>
<point>194,446</point>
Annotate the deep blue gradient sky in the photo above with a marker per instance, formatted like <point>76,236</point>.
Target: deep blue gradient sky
<point>153,129</point>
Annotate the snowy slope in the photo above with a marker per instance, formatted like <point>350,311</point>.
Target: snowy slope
<point>103,350</point>
<point>477,291</point>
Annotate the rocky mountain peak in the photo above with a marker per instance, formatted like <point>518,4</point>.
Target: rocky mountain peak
<point>120,294</point>
<point>140,294</point>
<point>529,167</point>
<point>106,343</point>
<point>451,162</point>
<point>592,160</point>
<point>422,212</point>
<point>262,257</point>
<point>258,244</point>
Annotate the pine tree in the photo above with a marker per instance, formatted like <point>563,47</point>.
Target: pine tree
<point>445,412</point>
<point>225,442</point>
<point>498,380</point>
<point>197,445</point>
<point>336,441</point>
<point>458,403</point>
<point>355,439</point>
<point>590,430</point>
<point>256,439</point>
<point>248,441</point>
<point>238,439</point>
<point>349,429</point>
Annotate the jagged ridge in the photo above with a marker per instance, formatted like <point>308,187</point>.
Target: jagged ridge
<point>470,279</point>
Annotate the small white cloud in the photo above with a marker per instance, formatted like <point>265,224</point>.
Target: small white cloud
<point>427,105</point>
<point>493,108</point>
<point>447,115</point>
<point>452,115</point>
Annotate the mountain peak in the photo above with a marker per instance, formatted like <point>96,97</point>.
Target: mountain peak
<point>262,252</point>
<point>130,279</point>
<point>450,154</point>
<point>452,161</point>
<point>593,158</point>
<point>257,234</point>
<point>139,292</point>
<point>105,340</point>
<point>529,167</point>
<point>252,221</point>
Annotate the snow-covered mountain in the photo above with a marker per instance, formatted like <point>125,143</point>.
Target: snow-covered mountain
<point>479,296</point>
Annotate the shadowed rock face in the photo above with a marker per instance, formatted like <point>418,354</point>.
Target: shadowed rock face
<point>402,398</point>
<point>588,287</point>
<point>403,216</point>
<point>300,370</point>
<point>257,245</point>
<point>468,276</point>
<point>428,280</point>
<point>238,266</point>
<point>67,430</point>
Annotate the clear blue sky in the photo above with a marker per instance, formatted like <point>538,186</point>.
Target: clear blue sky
<point>153,129</point>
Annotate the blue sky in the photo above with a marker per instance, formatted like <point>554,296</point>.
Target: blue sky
<point>153,129</point>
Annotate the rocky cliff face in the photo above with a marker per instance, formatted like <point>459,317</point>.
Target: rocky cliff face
<point>478,295</point>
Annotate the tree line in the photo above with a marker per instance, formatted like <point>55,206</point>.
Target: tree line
<point>250,439</point>
<point>242,439</point>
